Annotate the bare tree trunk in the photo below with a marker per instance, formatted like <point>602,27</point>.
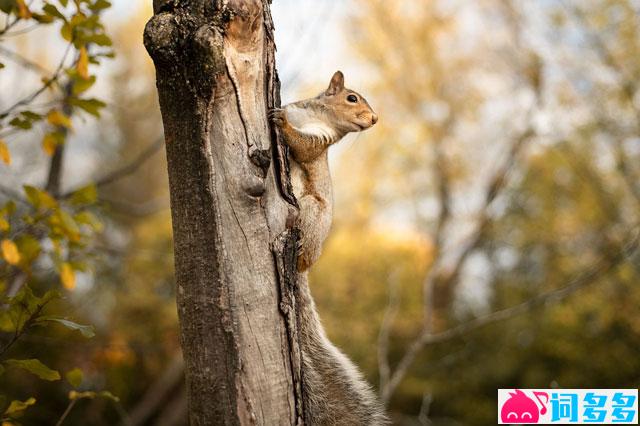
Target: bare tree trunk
<point>216,78</point>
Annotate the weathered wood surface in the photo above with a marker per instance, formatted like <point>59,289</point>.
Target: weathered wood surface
<point>216,78</point>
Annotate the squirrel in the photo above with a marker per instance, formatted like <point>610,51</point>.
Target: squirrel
<point>309,128</point>
<point>336,392</point>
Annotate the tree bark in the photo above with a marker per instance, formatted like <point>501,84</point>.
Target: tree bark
<point>231,206</point>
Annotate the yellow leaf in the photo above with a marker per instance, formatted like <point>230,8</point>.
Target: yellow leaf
<point>4,224</point>
<point>5,156</point>
<point>18,406</point>
<point>23,10</point>
<point>67,276</point>
<point>49,144</point>
<point>83,64</point>
<point>10,252</point>
<point>57,118</point>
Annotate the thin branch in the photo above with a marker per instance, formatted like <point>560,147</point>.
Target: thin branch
<point>423,415</point>
<point>25,62</point>
<point>549,298</point>
<point>107,179</point>
<point>385,330</point>
<point>628,87</point>
<point>44,87</point>
<point>175,411</point>
<point>13,194</point>
<point>448,277</point>
<point>124,416</point>
<point>8,26</point>
<point>132,166</point>
<point>158,392</point>
<point>444,198</point>
<point>443,278</point>
<point>141,210</point>
<point>56,166</point>
<point>22,31</point>
<point>627,173</point>
<point>66,412</point>
<point>19,332</point>
<point>127,169</point>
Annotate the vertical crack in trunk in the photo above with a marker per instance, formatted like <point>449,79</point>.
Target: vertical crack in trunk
<point>216,78</point>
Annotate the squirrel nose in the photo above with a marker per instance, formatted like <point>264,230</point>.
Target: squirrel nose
<point>374,118</point>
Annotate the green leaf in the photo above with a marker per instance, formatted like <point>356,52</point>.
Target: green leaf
<point>51,10</point>
<point>9,208</point>
<point>64,2</point>
<point>18,406</point>
<point>74,377</point>
<point>25,304</point>
<point>88,218</point>
<point>86,330</point>
<point>80,395</point>
<point>68,226</point>
<point>100,5</point>
<point>85,195</point>
<point>34,366</point>
<point>29,248</point>
<point>21,307</point>
<point>79,266</point>
<point>81,85</point>
<point>19,123</point>
<point>109,395</point>
<point>7,5</point>
<point>48,297</point>
<point>67,31</point>
<point>99,39</point>
<point>43,19</point>
<point>92,106</point>
<point>6,322</point>
<point>39,198</point>
<point>30,115</point>
<point>25,120</point>
<point>92,395</point>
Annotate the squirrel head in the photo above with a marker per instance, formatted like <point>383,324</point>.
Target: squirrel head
<point>350,110</point>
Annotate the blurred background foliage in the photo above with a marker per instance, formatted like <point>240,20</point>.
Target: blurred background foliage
<point>503,172</point>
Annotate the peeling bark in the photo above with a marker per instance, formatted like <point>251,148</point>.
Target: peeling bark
<point>236,296</point>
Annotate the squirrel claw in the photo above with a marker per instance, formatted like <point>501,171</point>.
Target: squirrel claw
<point>278,116</point>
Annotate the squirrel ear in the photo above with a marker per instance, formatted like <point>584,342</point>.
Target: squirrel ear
<point>336,85</point>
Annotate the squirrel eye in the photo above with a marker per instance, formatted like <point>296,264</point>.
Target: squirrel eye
<point>352,98</point>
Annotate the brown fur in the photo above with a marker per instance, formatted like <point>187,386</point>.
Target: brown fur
<point>332,111</point>
<point>336,392</point>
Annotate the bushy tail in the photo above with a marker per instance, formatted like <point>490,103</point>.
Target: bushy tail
<point>335,390</point>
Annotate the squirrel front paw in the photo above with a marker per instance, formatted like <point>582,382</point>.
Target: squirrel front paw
<point>278,116</point>
<point>303,263</point>
<point>308,252</point>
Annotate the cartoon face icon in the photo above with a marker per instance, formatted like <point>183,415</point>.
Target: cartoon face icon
<point>519,408</point>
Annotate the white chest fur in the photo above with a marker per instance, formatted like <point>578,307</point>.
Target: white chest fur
<point>306,121</point>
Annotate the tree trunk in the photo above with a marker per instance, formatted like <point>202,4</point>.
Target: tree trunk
<point>229,202</point>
